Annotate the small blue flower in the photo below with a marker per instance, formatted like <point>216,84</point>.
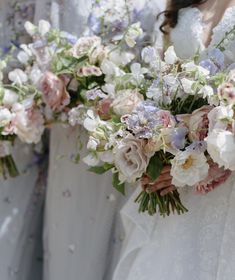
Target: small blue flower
<point>178,138</point>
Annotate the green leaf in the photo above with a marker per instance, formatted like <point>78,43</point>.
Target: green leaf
<point>77,158</point>
<point>155,167</point>
<point>100,169</point>
<point>117,185</point>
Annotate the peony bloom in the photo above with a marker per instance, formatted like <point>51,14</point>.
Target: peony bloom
<point>188,168</point>
<point>221,148</point>
<point>27,124</point>
<point>54,91</point>
<point>130,159</point>
<point>126,102</point>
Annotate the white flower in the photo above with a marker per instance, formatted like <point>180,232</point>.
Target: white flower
<point>187,85</point>
<point>138,72</point>
<point>221,148</point>
<point>106,156</point>
<point>92,121</point>
<point>130,159</point>
<point>18,76</point>
<point>92,143</point>
<point>132,34</point>
<point>23,57</point>
<point>192,67</point>
<point>126,101</point>
<point>206,92</point>
<point>149,55</point>
<point>91,159</point>
<point>28,124</point>
<point>9,98</point>
<point>43,27</point>
<point>77,115</point>
<point>188,168</point>
<point>219,117</point>
<point>111,69</point>
<point>170,56</point>
<point>35,74</point>
<point>119,57</point>
<point>30,28</point>
<point>5,117</point>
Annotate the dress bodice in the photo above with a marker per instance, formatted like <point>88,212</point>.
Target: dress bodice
<point>187,35</point>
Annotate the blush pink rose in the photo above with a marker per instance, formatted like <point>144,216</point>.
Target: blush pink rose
<point>54,91</point>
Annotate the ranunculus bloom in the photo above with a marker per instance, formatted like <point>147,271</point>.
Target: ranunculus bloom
<point>221,148</point>
<point>54,91</point>
<point>126,101</point>
<point>130,159</point>
<point>188,168</point>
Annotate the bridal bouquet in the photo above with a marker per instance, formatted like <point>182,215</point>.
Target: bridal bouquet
<point>141,114</point>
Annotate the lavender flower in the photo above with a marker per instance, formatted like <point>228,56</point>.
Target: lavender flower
<point>178,138</point>
<point>147,120</point>
<point>94,94</point>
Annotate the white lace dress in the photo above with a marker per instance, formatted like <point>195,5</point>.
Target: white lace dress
<point>199,245</point>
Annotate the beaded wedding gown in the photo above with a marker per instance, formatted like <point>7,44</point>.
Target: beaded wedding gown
<point>83,232</point>
<point>199,245</point>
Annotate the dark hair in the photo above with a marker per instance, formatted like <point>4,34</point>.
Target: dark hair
<point>171,13</point>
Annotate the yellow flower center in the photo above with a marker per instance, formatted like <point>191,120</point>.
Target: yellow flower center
<point>188,163</point>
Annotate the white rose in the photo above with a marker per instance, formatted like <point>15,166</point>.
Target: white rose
<point>126,101</point>
<point>130,159</point>
<point>188,168</point>
<point>5,117</point>
<point>18,76</point>
<point>170,56</point>
<point>9,98</point>
<point>221,148</point>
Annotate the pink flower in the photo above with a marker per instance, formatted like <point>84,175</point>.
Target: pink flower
<point>87,71</point>
<point>166,118</point>
<point>27,124</point>
<point>216,176</point>
<point>54,91</point>
<point>198,123</point>
<point>104,107</point>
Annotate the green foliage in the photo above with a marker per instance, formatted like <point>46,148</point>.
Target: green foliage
<point>155,167</point>
<point>117,184</point>
<point>100,169</point>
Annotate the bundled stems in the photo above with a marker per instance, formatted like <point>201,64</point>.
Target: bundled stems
<point>154,202</point>
<point>8,166</point>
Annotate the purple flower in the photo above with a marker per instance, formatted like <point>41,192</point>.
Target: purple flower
<point>94,94</point>
<point>147,119</point>
<point>178,137</point>
<point>214,62</point>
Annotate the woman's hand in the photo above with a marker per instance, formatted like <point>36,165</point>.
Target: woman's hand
<point>163,182</point>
